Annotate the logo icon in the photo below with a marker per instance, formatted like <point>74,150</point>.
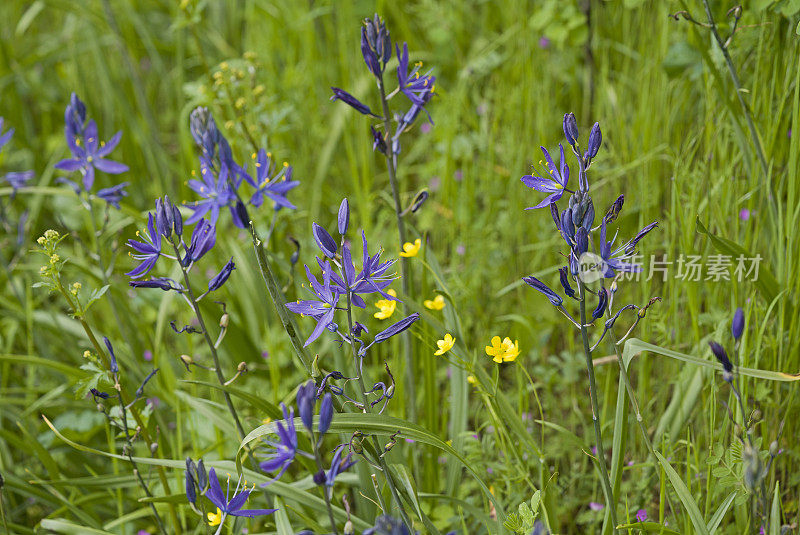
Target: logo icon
<point>591,267</point>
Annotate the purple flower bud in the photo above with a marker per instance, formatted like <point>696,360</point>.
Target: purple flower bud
<point>325,413</point>
<point>96,393</point>
<point>737,325</point>
<point>554,214</point>
<point>111,356</point>
<point>595,140</point>
<point>397,328</point>
<point>162,283</point>
<point>221,277</point>
<point>202,475</point>
<point>722,356</point>
<point>369,53</point>
<point>163,219</point>
<point>581,241</point>
<point>601,305</point>
<point>177,221</point>
<point>562,272</point>
<point>325,241</point>
<point>306,399</point>
<point>350,100</point>
<point>204,237</point>
<point>319,477</point>
<point>191,493</point>
<point>631,246</point>
<point>344,216</point>
<point>615,209</point>
<point>570,128</point>
<point>378,141</point>
<point>536,284</point>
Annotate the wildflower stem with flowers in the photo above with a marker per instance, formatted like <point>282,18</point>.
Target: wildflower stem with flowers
<point>376,49</point>
<point>584,267</point>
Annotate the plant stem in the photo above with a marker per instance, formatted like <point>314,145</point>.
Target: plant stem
<point>601,459</point>
<point>217,367</point>
<point>401,231</point>
<point>127,451</point>
<point>368,408</point>
<point>737,84</point>
<point>320,467</point>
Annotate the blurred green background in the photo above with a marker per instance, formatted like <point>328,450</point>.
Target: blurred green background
<point>676,143</point>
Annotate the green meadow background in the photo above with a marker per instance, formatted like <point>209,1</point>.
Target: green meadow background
<point>675,142</point>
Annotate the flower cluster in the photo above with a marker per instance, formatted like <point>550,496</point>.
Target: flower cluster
<point>341,280</point>
<point>419,88</point>
<point>89,154</point>
<point>281,453</point>
<point>18,179</point>
<point>165,223</point>
<point>588,260</point>
<point>221,177</point>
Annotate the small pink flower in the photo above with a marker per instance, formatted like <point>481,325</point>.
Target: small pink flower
<point>641,515</point>
<point>425,128</point>
<point>544,42</point>
<point>594,506</point>
<point>458,175</point>
<point>148,355</point>
<point>744,214</point>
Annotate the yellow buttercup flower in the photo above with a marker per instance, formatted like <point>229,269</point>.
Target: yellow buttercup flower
<point>411,249</point>
<point>436,304</point>
<point>503,350</point>
<point>445,345</point>
<point>386,306</point>
<point>215,518</point>
<point>471,380</point>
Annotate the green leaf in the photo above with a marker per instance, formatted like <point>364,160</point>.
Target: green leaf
<point>684,495</point>
<point>775,511</point>
<point>715,521</point>
<point>634,346</point>
<point>59,525</point>
<point>97,294</point>
<point>381,425</point>
<point>291,492</point>
<point>282,519</point>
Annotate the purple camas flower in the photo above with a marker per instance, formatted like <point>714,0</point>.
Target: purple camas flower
<point>271,184</point>
<point>338,465</point>
<point>216,192</point>
<point>147,251</point>
<point>722,356</point>
<point>376,46</point>
<point>321,309</point>
<point>17,179</point>
<point>204,237</point>
<point>553,182</point>
<point>221,177</point>
<point>114,194</point>
<point>88,154</point>
<point>282,453</point>
<point>417,87</point>
<point>230,505</point>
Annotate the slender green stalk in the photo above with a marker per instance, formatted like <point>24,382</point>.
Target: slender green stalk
<point>368,408</point>
<point>601,459</point>
<point>320,467</point>
<point>126,449</point>
<point>404,268</point>
<point>217,366</point>
<point>723,47</point>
